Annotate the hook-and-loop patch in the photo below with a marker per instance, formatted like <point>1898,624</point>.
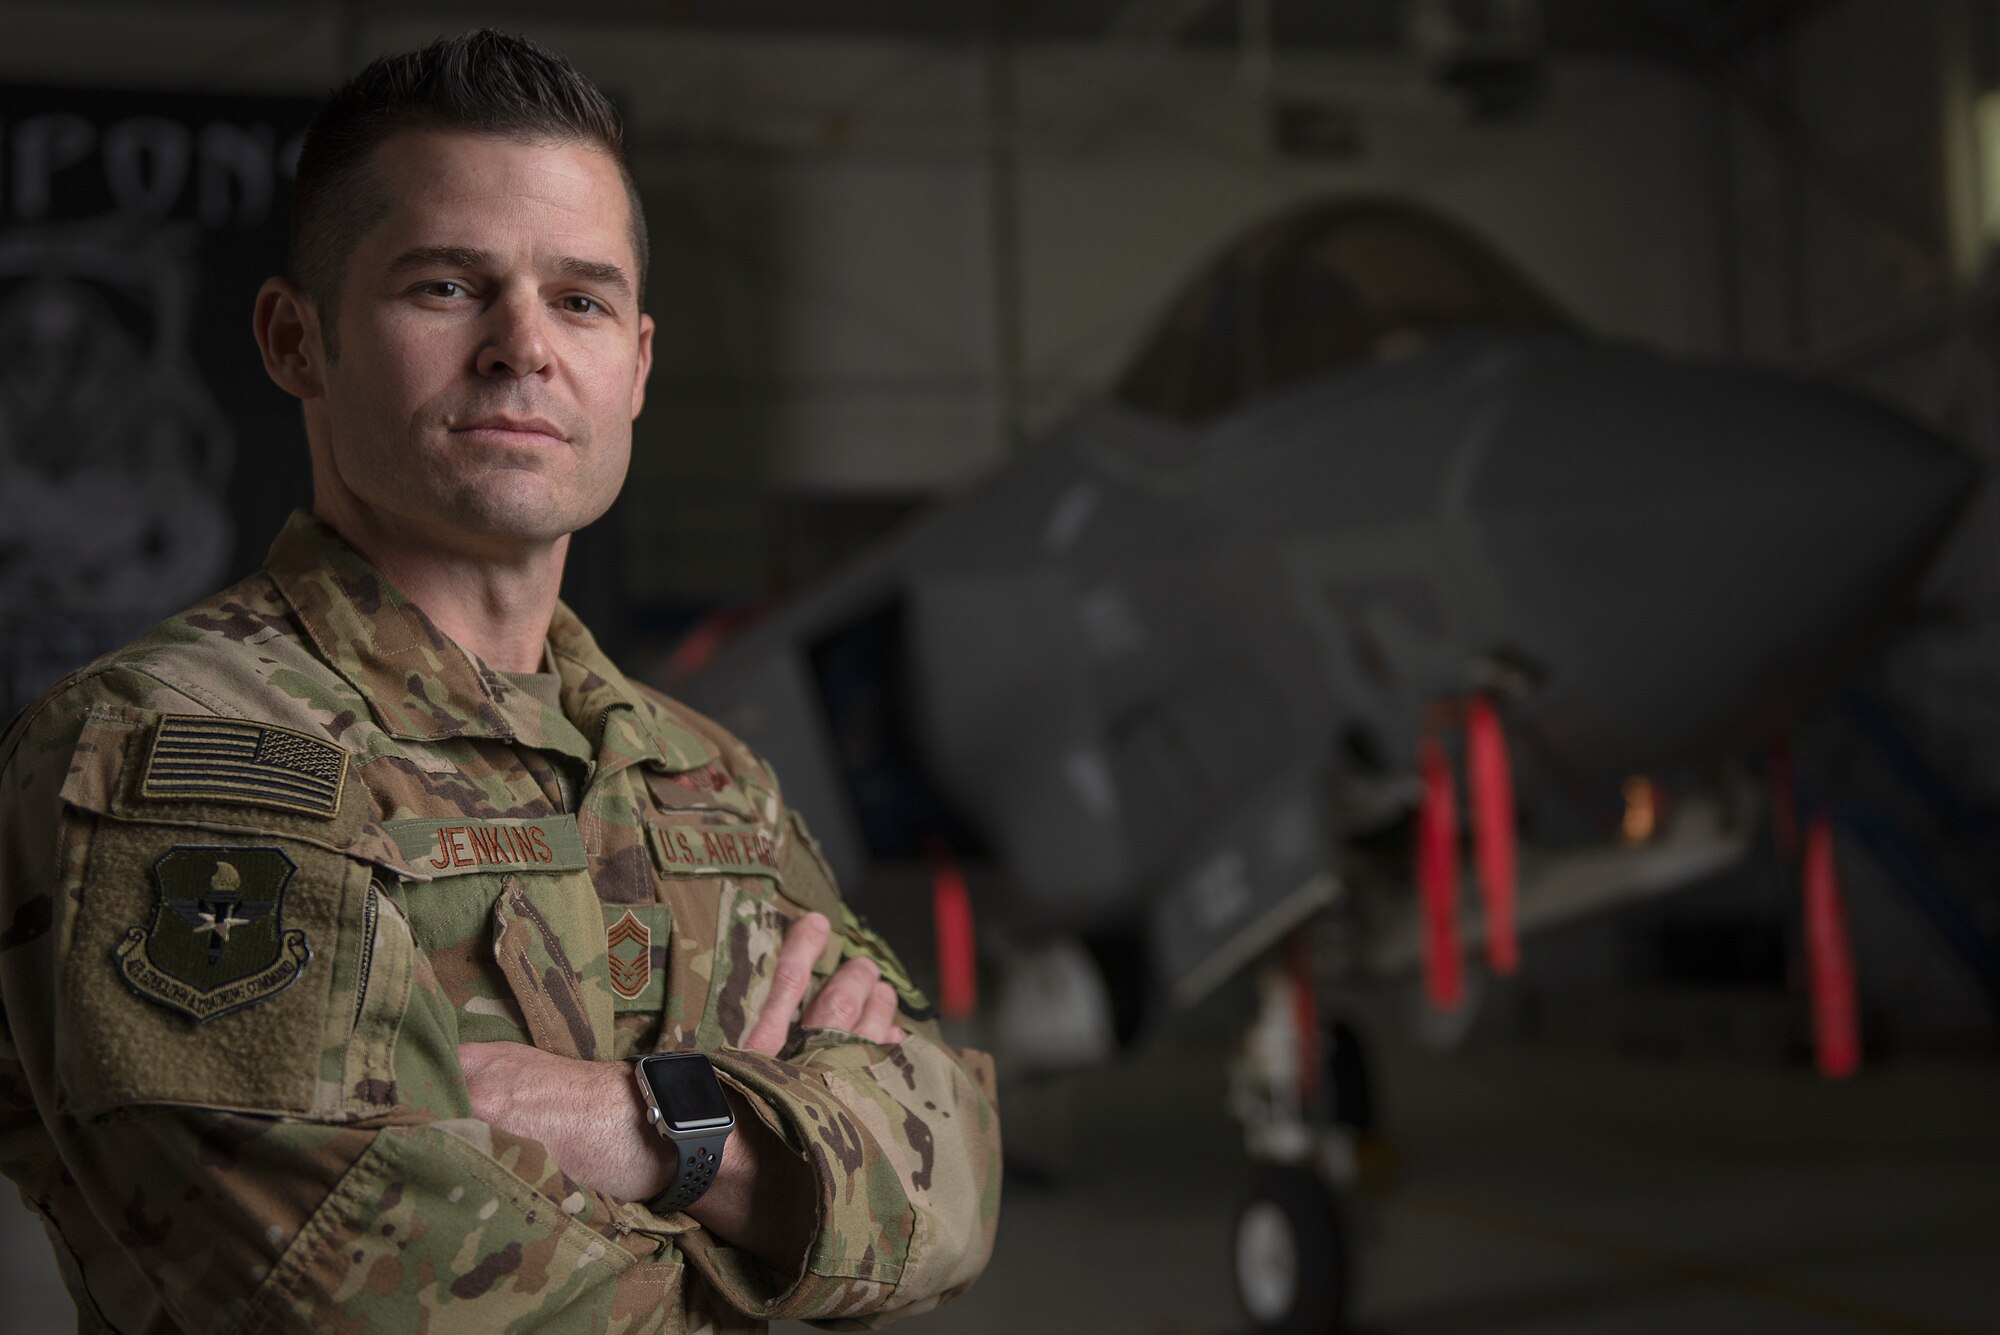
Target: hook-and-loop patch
<point>217,940</point>
<point>197,758</point>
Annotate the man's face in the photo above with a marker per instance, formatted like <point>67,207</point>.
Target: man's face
<point>492,351</point>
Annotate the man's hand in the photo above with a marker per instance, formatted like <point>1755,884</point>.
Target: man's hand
<point>855,998</point>
<point>591,1116</point>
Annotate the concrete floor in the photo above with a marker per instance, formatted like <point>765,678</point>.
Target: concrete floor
<point>1539,1191</point>
<point>1545,1193</point>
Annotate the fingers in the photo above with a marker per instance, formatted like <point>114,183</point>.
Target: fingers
<point>857,1000</point>
<point>878,1016</point>
<point>840,1003</point>
<point>854,999</point>
<point>791,975</point>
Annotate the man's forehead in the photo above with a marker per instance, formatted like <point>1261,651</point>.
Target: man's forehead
<point>473,185</point>
<point>426,148</point>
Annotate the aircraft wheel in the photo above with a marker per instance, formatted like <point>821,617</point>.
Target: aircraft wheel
<point>1291,1256</point>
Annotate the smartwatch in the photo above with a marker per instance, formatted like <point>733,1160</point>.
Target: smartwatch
<point>685,1104</point>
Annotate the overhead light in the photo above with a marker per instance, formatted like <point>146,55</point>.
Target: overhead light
<point>1642,811</point>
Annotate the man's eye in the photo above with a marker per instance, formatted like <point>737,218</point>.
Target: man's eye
<point>443,287</point>
<point>581,305</point>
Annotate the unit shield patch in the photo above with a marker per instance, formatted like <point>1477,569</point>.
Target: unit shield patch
<point>629,943</point>
<point>217,942</point>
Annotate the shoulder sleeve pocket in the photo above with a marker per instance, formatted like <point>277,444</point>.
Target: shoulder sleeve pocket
<point>216,966</point>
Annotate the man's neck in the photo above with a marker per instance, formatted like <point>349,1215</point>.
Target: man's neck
<point>498,609</point>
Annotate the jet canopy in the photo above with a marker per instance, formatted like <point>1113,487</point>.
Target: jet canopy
<point>1319,288</point>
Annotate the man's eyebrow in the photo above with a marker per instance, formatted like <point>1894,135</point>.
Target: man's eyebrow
<point>594,271</point>
<point>472,258</point>
<point>442,257</point>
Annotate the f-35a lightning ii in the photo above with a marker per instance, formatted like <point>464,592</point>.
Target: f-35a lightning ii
<point>1166,680</point>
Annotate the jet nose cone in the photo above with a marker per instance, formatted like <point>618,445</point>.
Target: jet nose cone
<point>1691,546</point>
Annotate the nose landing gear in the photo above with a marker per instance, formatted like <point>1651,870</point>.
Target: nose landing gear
<point>1300,1089</point>
<point>1291,1254</point>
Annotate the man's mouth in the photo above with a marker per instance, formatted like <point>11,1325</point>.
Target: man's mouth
<point>502,428</point>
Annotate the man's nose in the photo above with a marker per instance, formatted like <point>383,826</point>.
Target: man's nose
<point>516,344</point>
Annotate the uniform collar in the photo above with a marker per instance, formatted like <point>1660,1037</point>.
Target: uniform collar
<point>626,724</point>
<point>422,685</point>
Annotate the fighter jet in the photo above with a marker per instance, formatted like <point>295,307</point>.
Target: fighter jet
<point>1368,518</point>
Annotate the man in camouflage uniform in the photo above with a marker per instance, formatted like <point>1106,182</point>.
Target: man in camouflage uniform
<point>333,911</point>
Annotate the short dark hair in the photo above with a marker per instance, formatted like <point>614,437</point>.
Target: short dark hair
<point>482,82</point>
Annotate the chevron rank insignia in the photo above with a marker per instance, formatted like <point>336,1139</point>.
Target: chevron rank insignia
<point>201,759</point>
<point>217,941</point>
<point>629,943</point>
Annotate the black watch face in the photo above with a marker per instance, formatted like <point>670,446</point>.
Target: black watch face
<point>687,1091</point>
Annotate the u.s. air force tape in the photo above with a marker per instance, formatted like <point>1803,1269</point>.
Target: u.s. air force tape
<point>732,848</point>
<point>460,845</point>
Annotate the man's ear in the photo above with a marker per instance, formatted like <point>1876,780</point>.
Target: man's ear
<point>645,365</point>
<point>286,324</point>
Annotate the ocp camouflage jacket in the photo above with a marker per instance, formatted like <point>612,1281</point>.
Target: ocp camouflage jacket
<point>262,871</point>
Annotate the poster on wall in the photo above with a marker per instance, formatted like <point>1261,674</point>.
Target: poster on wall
<point>145,459</point>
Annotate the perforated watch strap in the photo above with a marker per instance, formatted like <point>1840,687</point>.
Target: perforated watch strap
<point>700,1157</point>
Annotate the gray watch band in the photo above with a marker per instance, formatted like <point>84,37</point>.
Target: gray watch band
<point>700,1157</point>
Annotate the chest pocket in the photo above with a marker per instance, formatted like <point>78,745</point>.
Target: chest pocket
<point>721,874</point>
<point>735,888</point>
<point>512,929</point>
<point>715,871</point>
<point>554,961</point>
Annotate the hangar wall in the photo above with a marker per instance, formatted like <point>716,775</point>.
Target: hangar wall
<point>1856,245</point>
<point>847,308</point>
<point>863,312</point>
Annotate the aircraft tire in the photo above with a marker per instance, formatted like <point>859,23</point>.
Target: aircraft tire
<point>1291,1255</point>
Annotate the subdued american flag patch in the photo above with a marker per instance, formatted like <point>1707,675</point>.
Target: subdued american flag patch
<point>232,760</point>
